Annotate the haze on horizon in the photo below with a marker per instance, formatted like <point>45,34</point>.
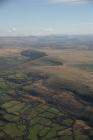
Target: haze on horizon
<point>45,17</point>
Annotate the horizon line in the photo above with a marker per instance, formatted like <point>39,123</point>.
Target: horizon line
<point>46,35</point>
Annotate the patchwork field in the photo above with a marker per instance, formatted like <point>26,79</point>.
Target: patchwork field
<point>46,94</point>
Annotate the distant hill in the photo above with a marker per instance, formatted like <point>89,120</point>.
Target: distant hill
<point>53,41</point>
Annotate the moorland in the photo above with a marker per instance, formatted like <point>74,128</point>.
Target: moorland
<point>46,88</point>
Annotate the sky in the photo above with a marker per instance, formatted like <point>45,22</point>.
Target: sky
<point>45,17</point>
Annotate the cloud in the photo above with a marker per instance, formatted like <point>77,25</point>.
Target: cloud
<point>13,29</point>
<point>71,1</point>
<point>46,31</point>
